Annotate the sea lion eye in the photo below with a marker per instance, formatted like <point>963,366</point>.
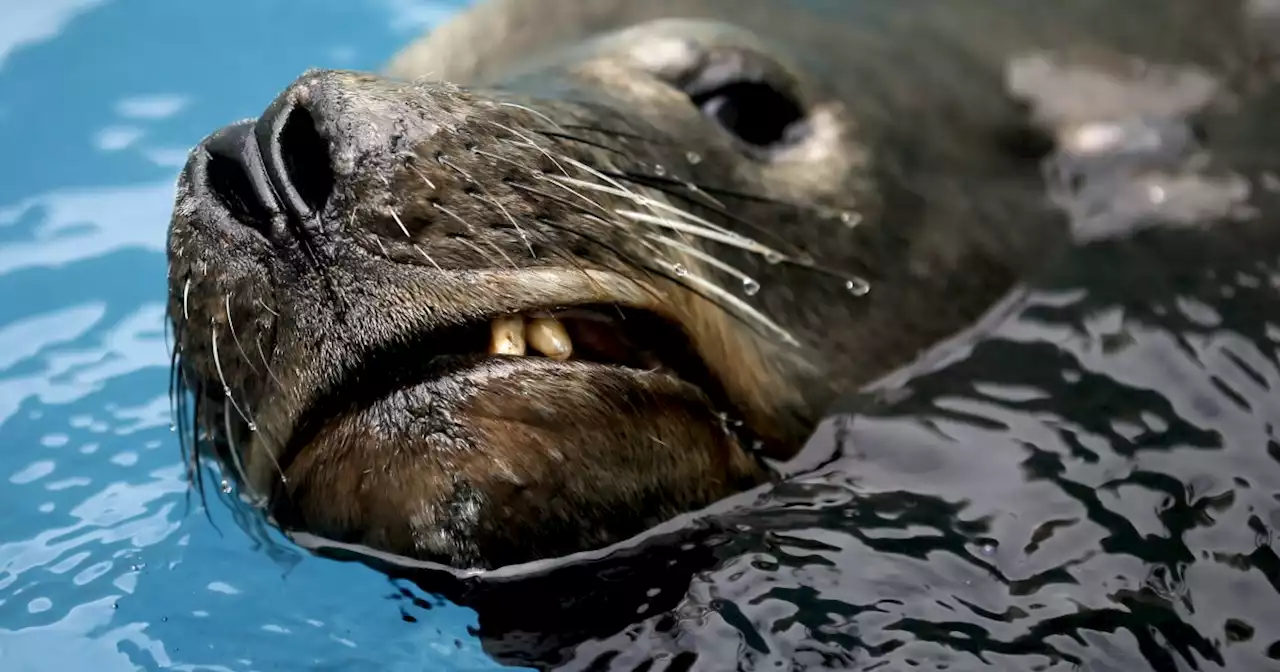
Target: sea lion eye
<point>754,112</point>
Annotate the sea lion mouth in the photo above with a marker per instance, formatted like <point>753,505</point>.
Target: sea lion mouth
<point>604,338</point>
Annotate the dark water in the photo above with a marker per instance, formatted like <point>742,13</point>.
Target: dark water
<point>1092,481</point>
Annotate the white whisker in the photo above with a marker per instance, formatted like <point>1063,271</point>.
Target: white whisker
<point>703,256</point>
<point>226,389</point>
<point>733,240</point>
<point>532,111</point>
<point>462,172</point>
<point>424,253</point>
<point>403,228</point>
<point>424,177</point>
<point>266,307</point>
<point>186,293</point>
<point>742,306</point>
<point>241,475</point>
<point>232,328</point>
<point>529,141</point>
<point>559,182</point>
<point>263,356</point>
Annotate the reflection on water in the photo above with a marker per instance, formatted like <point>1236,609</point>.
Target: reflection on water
<point>1093,483</point>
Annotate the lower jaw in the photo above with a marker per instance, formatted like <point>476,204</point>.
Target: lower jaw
<point>562,457</point>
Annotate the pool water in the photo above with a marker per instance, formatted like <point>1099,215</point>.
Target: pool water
<point>1093,482</point>
<point>105,563</point>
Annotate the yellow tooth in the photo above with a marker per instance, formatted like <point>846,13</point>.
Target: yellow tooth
<point>507,336</point>
<point>548,336</point>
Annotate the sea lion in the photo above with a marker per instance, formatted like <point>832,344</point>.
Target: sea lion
<point>626,266</point>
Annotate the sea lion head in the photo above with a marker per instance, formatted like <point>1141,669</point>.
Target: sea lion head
<point>542,313</point>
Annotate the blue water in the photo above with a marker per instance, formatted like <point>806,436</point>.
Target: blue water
<point>105,564</point>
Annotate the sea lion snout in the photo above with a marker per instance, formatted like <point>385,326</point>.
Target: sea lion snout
<point>280,172</point>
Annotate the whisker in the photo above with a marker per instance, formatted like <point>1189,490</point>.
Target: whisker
<point>232,328</point>
<point>424,253</point>
<point>463,173</point>
<point>405,229</point>
<point>583,211</point>
<point>186,293</point>
<point>497,249</point>
<point>529,141</point>
<point>741,305</point>
<point>487,257</point>
<point>454,215</point>
<point>668,186</point>
<point>703,256</point>
<point>619,134</point>
<point>730,239</point>
<point>530,110</point>
<point>263,356</point>
<point>511,219</point>
<point>559,183</point>
<point>650,203</point>
<point>584,141</point>
<point>423,175</point>
<point>226,389</point>
<point>266,307</point>
<point>241,474</point>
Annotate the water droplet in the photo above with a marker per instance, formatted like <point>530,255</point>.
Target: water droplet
<point>773,257</point>
<point>851,219</point>
<point>857,286</point>
<point>173,427</point>
<point>1156,193</point>
<point>226,486</point>
<point>659,170</point>
<point>693,157</point>
<point>253,426</point>
<point>680,270</point>
<point>750,287</point>
<point>988,547</point>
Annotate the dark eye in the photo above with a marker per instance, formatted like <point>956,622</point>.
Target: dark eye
<point>754,112</point>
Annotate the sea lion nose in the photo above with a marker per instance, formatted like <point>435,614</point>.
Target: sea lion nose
<point>296,158</point>
<point>277,165</point>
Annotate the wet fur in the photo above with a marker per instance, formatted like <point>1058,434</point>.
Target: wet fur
<point>308,343</point>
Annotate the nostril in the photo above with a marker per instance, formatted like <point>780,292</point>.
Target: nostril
<point>232,173</point>
<point>230,183</point>
<point>307,180</point>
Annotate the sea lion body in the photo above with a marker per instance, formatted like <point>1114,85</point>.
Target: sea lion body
<point>733,212</point>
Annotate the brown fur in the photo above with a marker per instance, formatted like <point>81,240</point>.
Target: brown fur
<point>349,408</point>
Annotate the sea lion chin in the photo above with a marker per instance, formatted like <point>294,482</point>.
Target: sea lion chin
<point>603,284</point>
